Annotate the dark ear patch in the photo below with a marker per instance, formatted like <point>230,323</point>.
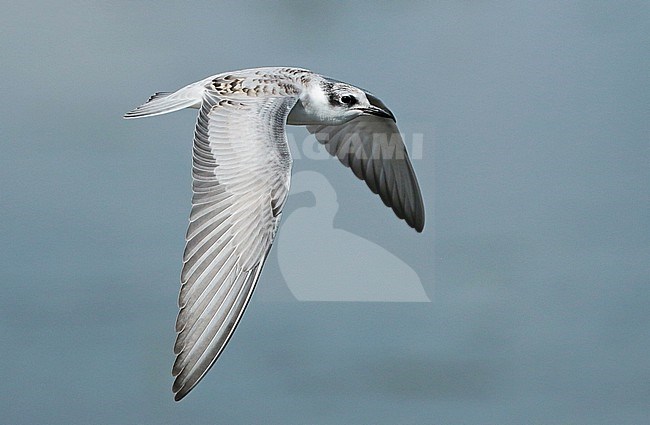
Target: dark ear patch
<point>331,94</point>
<point>333,99</point>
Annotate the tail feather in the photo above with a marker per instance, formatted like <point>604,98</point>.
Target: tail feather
<point>164,102</point>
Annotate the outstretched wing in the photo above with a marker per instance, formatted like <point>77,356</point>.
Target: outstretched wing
<point>373,148</point>
<point>241,172</point>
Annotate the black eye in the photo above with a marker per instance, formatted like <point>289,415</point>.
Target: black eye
<point>348,100</point>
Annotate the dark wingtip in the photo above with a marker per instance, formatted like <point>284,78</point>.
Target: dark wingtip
<point>416,223</point>
<point>179,390</point>
<point>416,216</point>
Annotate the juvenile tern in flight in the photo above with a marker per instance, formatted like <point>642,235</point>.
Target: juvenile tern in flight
<point>241,170</point>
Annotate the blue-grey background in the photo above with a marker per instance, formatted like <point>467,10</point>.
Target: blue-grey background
<point>534,169</point>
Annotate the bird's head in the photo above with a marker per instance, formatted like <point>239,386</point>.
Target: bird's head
<point>329,102</point>
<point>346,102</point>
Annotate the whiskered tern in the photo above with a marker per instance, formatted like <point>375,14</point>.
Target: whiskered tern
<point>241,170</point>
